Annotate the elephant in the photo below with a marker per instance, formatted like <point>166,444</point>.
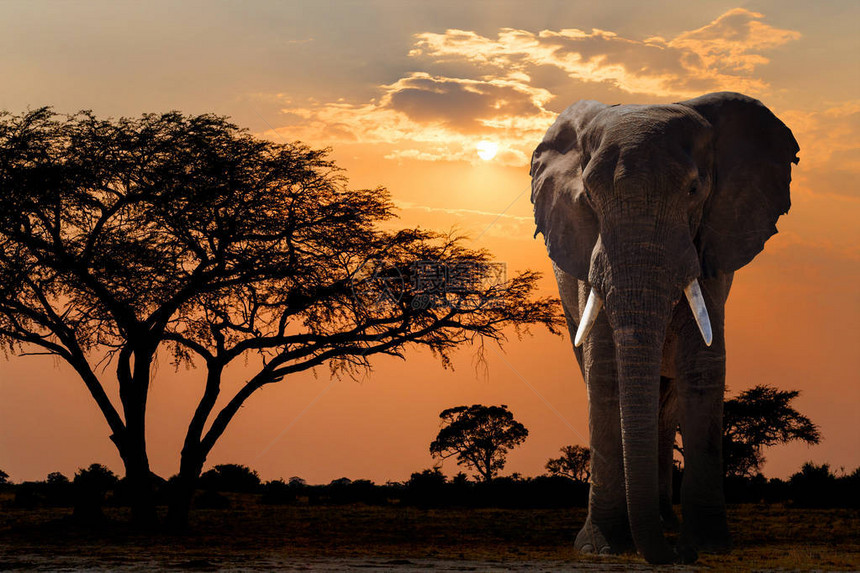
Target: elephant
<point>646,212</point>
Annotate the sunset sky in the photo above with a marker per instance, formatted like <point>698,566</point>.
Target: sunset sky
<point>405,92</point>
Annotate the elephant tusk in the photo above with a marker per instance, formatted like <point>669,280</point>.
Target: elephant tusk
<point>700,311</point>
<point>592,309</point>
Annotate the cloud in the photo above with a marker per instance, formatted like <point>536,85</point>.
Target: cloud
<point>469,106</point>
<point>719,56</point>
<point>596,56</point>
<point>829,142</point>
<point>437,117</point>
<point>733,42</point>
<point>433,118</point>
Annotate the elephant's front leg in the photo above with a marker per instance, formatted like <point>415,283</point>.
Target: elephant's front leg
<point>701,388</point>
<point>606,529</point>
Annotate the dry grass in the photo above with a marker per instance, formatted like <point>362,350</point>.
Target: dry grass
<point>767,538</point>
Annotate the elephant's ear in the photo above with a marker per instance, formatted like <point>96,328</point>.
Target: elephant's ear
<point>562,214</point>
<point>753,153</point>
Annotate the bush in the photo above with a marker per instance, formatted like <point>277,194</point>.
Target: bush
<point>59,491</point>
<point>426,488</point>
<point>55,491</point>
<point>777,491</point>
<point>814,486</point>
<point>123,493</point>
<point>91,486</point>
<point>850,488</point>
<point>232,478</point>
<point>279,493</point>
<point>431,489</point>
<point>29,495</point>
<point>540,492</point>
<point>744,489</point>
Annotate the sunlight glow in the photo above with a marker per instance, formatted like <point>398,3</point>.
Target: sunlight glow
<point>487,149</point>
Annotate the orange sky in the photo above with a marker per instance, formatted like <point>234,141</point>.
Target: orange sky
<point>403,92</point>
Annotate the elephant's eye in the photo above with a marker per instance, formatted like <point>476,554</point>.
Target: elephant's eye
<point>694,189</point>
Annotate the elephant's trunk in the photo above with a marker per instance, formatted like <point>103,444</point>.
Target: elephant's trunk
<point>639,318</point>
<point>642,274</point>
<point>639,399</point>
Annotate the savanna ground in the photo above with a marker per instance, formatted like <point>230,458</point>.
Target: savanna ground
<point>249,536</point>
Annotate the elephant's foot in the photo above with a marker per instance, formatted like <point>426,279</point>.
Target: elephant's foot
<point>604,539</point>
<point>707,534</point>
<point>686,554</point>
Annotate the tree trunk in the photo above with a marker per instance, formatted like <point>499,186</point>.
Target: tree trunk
<point>134,391</point>
<point>143,511</point>
<point>194,451</point>
<point>182,491</point>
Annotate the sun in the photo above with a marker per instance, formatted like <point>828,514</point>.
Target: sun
<point>487,149</point>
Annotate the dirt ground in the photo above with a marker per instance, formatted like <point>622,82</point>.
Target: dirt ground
<point>251,537</point>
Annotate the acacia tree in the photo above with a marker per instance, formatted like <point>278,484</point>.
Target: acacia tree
<point>122,237</point>
<point>480,436</point>
<point>758,418</point>
<point>574,463</point>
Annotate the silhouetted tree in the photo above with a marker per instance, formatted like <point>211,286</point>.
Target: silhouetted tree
<point>344,490</point>
<point>758,418</point>
<point>427,488</point>
<point>56,478</point>
<point>480,436</point>
<point>59,490</point>
<point>278,492</point>
<point>91,484</point>
<point>431,476</point>
<point>814,486</point>
<point>185,233</point>
<point>574,463</point>
<point>4,478</point>
<point>231,477</point>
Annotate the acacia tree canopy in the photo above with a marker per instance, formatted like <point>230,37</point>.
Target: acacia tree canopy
<point>758,418</point>
<point>186,233</point>
<point>574,463</point>
<point>480,436</point>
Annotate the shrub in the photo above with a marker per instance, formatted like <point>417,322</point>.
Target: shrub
<point>232,478</point>
<point>91,486</point>
<point>278,493</point>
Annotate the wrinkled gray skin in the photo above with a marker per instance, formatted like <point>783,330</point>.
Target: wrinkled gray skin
<point>636,202</point>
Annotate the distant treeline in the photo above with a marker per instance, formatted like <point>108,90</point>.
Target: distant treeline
<point>813,486</point>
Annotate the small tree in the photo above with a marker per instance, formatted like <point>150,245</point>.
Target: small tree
<point>815,486</point>
<point>56,478</point>
<point>231,477</point>
<point>427,488</point>
<point>91,484</point>
<point>59,490</point>
<point>4,478</point>
<point>185,234</point>
<point>758,418</point>
<point>480,436</point>
<point>574,463</point>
